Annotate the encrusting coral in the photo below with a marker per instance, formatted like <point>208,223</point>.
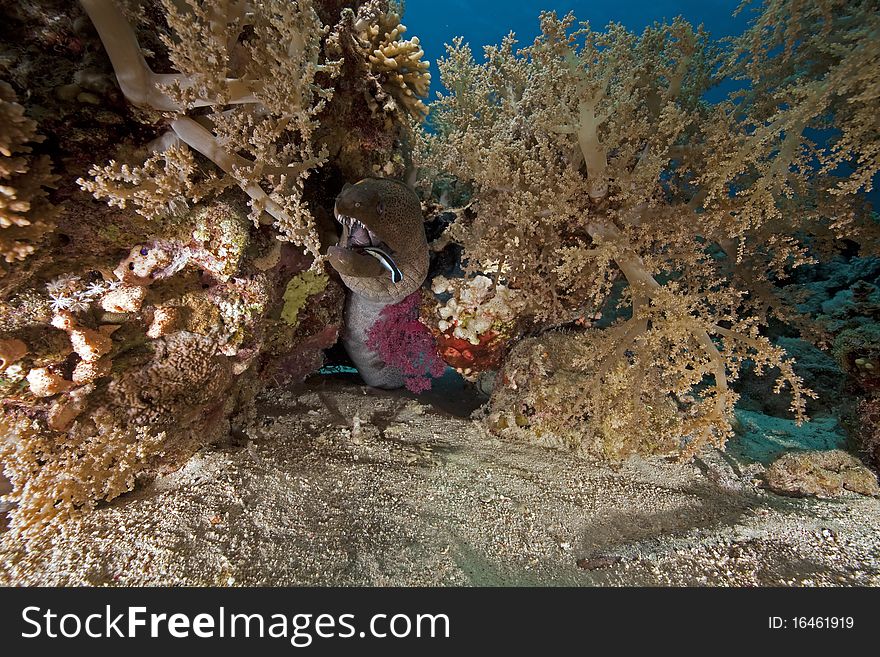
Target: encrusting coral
<point>297,292</point>
<point>475,323</point>
<point>593,155</point>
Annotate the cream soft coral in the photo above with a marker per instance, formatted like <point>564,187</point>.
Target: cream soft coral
<point>280,85</point>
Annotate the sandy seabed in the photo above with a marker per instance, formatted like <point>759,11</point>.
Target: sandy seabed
<point>337,484</point>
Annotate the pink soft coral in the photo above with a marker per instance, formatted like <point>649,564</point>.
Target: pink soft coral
<point>405,343</point>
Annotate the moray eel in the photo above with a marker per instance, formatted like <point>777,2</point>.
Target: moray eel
<point>382,257</point>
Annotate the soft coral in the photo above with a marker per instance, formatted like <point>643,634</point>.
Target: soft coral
<point>405,343</point>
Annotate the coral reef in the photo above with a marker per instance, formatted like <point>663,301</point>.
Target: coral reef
<point>270,81</point>
<point>841,296</point>
<point>650,224</point>
<point>624,256</point>
<point>869,429</point>
<point>150,319</point>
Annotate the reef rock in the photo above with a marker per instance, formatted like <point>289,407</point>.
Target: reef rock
<point>824,474</point>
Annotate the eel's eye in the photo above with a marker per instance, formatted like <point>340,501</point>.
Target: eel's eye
<point>357,204</point>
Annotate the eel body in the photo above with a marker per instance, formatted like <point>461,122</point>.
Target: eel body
<point>382,257</point>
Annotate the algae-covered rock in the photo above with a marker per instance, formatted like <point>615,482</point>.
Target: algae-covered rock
<point>824,474</point>
<point>763,438</point>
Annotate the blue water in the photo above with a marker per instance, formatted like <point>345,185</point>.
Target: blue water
<point>486,22</point>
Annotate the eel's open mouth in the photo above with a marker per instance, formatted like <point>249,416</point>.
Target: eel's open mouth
<point>357,237</point>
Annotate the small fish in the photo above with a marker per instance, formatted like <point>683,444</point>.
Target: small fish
<point>386,261</point>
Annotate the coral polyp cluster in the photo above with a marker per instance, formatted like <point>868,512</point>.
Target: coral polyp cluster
<point>475,323</point>
<point>474,307</point>
<point>397,61</point>
<point>26,215</point>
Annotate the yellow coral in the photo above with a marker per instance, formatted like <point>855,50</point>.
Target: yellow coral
<point>90,447</point>
<point>161,186</point>
<point>769,160</point>
<point>398,62</point>
<point>54,474</point>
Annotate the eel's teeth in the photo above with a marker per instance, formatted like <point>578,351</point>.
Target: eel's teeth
<point>351,222</point>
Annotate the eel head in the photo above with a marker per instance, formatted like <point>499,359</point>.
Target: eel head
<point>382,252</point>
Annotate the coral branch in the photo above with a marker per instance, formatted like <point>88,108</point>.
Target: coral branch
<point>26,215</point>
<point>275,103</point>
<point>593,155</point>
<point>140,85</point>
